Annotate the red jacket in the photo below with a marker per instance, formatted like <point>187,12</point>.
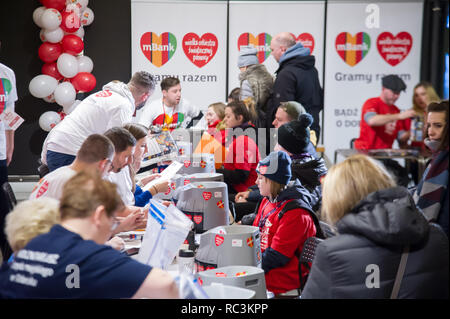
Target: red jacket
<point>286,236</point>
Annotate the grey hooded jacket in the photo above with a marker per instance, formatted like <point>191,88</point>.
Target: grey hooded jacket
<point>362,261</point>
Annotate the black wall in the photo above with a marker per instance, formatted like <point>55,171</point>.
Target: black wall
<point>107,42</point>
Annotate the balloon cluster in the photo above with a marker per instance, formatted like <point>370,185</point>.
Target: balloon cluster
<point>66,71</point>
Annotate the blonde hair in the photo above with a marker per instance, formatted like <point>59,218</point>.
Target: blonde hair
<point>219,109</point>
<point>251,107</point>
<point>275,188</point>
<point>431,93</point>
<point>29,219</point>
<point>349,182</point>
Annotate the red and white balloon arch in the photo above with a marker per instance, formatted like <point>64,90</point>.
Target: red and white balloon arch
<point>66,70</point>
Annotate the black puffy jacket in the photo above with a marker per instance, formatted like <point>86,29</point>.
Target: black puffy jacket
<point>371,237</point>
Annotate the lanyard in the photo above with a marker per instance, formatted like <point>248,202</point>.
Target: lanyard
<point>263,219</point>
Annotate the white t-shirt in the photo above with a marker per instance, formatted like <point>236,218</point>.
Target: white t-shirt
<point>168,118</point>
<point>114,106</point>
<point>51,185</point>
<point>8,96</point>
<point>124,185</point>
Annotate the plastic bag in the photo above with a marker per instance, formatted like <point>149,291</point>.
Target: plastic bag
<point>189,287</point>
<point>167,228</point>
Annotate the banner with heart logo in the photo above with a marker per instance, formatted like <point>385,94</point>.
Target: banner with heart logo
<point>261,42</point>
<point>200,50</point>
<point>352,49</point>
<point>306,39</point>
<point>394,49</point>
<point>158,49</point>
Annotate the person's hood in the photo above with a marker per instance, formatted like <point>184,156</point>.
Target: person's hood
<point>121,89</point>
<point>295,51</point>
<point>258,69</point>
<point>295,190</point>
<point>309,170</point>
<point>386,217</point>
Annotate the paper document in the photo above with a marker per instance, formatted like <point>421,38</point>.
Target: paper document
<point>166,175</point>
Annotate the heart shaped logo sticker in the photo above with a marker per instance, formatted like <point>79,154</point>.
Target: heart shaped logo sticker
<point>207,195</point>
<point>261,42</point>
<point>352,49</point>
<point>158,49</point>
<point>394,49</point>
<point>218,240</point>
<point>200,50</point>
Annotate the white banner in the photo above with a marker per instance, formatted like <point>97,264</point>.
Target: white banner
<point>365,41</point>
<point>186,39</point>
<point>256,22</point>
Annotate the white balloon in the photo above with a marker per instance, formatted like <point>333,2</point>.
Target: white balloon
<point>81,4</point>
<point>78,33</point>
<point>54,36</point>
<point>70,109</point>
<point>67,65</point>
<point>65,94</point>
<point>42,35</point>
<point>48,120</point>
<point>50,98</point>
<point>51,19</point>
<point>85,64</point>
<point>37,15</point>
<point>87,17</point>
<point>42,85</point>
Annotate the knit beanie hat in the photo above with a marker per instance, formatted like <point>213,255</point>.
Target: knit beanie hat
<point>247,56</point>
<point>276,167</point>
<point>294,136</point>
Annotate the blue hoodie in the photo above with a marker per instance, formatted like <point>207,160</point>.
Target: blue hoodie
<point>296,50</point>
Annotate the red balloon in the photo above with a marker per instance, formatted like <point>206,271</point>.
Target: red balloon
<point>72,44</point>
<point>49,52</point>
<point>70,21</point>
<point>57,4</point>
<point>84,82</point>
<point>52,70</point>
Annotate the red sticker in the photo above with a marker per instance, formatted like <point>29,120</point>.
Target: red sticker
<point>187,163</point>
<point>394,49</point>
<point>250,242</point>
<point>218,240</point>
<point>202,164</point>
<point>198,219</point>
<point>186,181</point>
<point>221,274</point>
<point>243,273</point>
<point>220,204</point>
<point>207,195</point>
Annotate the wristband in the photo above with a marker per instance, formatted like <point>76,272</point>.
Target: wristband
<point>156,190</point>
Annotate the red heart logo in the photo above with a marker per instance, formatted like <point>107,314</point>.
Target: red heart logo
<point>207,195</point>
<point>307,40</point>
<point>261,42</point>
<point>198,219</point>
<point>158,49</point>
<point>394,49</point>
<point>200,50</point>
<point>218,240</point>
<point>187,163</point>
<point>221,274</point>
<point>352,49</point>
